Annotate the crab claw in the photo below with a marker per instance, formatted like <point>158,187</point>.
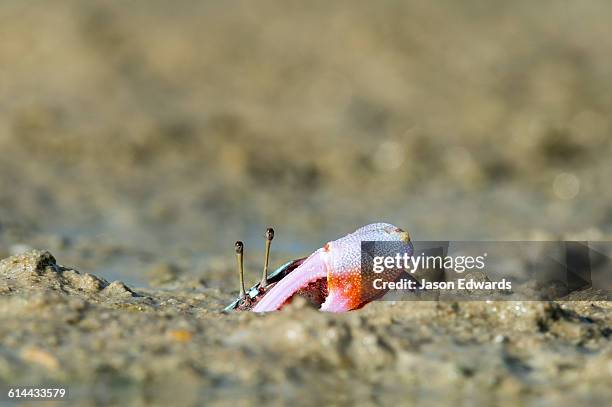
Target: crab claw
<point>333,274</point>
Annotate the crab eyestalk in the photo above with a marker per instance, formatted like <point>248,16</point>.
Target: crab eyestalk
<point>239,259</point>
<point>269,236</point>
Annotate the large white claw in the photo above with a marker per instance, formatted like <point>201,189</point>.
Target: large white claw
<point>313,269</point>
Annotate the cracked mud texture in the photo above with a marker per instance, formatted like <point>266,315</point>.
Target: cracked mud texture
<point>113,344</point>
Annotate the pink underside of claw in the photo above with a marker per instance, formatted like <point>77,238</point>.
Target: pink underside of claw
<point>311,270</point>
<point>335,302</point>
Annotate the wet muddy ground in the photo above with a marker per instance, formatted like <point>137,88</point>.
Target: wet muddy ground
<point>110,343</point>
<point>139,142</point>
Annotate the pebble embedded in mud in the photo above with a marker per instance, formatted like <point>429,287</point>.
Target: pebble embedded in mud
<point>118,289</point>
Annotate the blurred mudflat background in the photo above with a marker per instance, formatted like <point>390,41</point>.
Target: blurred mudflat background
<point>139,140</point>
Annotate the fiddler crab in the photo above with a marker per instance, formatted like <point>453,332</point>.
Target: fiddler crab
<point>331,277</point>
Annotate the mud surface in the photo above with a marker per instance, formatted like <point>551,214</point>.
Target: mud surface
<point>109,343</point>
<point>139,141</point>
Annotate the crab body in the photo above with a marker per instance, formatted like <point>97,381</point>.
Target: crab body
<point>331,277</point>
